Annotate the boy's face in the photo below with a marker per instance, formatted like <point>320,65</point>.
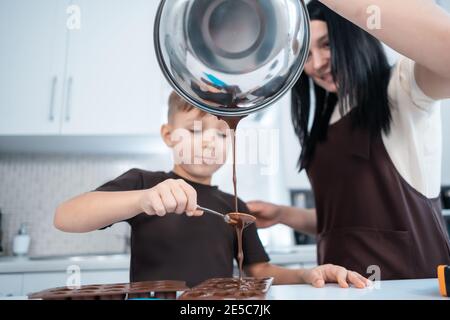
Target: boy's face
<point>198,141</point>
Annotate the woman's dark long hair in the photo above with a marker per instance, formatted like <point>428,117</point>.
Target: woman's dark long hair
<point>360,68</point>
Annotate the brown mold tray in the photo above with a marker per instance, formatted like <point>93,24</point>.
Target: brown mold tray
<point>229,289</point>
<point>119,291</point>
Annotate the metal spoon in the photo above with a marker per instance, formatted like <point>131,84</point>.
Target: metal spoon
<point>223,216</point>
<point>231,218</point>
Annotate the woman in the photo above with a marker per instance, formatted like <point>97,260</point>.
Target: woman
<point>373,150</point>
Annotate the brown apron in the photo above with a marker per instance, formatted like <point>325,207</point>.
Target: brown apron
<point>367,214</point>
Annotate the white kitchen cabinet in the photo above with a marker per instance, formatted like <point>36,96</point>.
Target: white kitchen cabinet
<point>100,77</point>
<point>113,81</point>
<point>32,54</point>
<point>33,282</point>
<point>103,277</point>
<point>11,285</point>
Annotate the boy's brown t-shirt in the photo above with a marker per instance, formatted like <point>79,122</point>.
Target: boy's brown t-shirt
<point>178,247</point>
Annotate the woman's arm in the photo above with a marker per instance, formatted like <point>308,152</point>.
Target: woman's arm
<point>302,220</point>
<point>268,214</point>
<point>418,29</point>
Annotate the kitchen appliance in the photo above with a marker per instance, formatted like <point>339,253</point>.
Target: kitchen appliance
<point>232,57</point>
<point>445,194</point>
<point>303,198</point>
<point>1,234</point>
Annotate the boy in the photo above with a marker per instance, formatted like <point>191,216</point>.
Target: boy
<point>170,238</point>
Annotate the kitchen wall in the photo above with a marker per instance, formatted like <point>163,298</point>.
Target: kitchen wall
<point>32,185</point>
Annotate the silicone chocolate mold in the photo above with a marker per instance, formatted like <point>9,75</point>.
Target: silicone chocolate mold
<point>229,289</point>
<point>119,291</point>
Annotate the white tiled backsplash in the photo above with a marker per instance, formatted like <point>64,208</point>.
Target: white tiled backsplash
<point>32,185</point>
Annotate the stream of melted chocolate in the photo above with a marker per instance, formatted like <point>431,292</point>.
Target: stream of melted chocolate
<point>233,123</point>
<point>239,220</point>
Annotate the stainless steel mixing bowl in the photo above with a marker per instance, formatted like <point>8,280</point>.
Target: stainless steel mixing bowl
<point>232,57</point>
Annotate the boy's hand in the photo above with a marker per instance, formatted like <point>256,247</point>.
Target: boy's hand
<point>331,273</point>
<point>170,196</point>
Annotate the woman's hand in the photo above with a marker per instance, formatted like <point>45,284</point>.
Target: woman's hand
<point>267,214</point>
<point>329,273</point>
<point>170,196</point>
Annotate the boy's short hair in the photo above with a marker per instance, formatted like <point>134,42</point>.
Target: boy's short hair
<point>178,104</point>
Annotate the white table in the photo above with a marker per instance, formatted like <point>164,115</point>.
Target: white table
<point>424,289</point>
<point>427,289</point>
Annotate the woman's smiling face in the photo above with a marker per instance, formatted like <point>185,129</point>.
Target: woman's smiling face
<point>318,64</point>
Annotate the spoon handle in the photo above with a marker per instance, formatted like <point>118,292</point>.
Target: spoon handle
<point>224,217</point>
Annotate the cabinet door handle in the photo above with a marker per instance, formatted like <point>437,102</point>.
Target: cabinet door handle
<point>51,114</point>
<point>68,99</point>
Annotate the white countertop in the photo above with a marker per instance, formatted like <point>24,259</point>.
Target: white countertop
<point>280,256</point>
<point>423,289</point>
<point>9,265</point>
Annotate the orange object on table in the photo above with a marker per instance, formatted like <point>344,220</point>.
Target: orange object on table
<point>444,280</point>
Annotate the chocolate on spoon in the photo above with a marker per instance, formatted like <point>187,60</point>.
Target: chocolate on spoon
<point>233,218</point>
<point>241,218</point>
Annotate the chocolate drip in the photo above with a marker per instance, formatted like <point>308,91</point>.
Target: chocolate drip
<point>239,226</point>
<point>233,123</point>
